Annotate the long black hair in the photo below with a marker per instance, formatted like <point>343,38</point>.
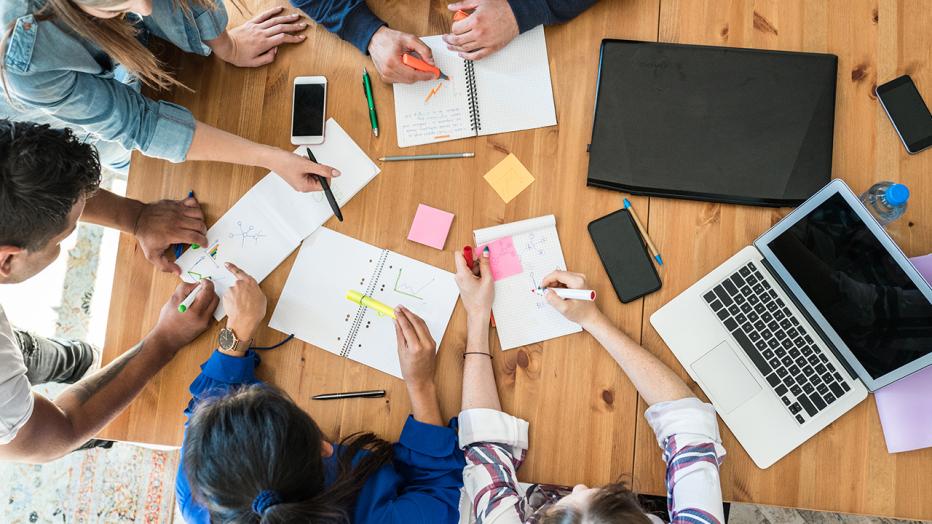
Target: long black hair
<point>253,456</point>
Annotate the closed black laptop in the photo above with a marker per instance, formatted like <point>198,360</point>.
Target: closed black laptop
<point>713,123</point>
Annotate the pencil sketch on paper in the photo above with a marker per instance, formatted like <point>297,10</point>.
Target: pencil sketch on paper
<point>247,233</point>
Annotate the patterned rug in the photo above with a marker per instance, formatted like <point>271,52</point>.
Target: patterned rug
<point>119,485</point>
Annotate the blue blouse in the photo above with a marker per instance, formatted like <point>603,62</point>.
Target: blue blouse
<point>55,76</point>
<point>421,485</point>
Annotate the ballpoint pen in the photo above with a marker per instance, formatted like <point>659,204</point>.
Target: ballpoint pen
<point>367,88</point>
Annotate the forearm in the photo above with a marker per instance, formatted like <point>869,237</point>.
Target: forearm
<point>654,381</point>
<point>216,145</point>
<point>111,210</point>
<point>424,403</point>
<point>93,402</point>
<point>351,20</point>
<point>479,389</point>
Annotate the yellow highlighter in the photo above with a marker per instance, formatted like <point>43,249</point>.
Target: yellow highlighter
<point>369,302</point>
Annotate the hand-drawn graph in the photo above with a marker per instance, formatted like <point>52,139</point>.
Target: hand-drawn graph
<point>409,289</point>
<point>206,264</point>
<point>247,233</point>
<point>535,245</point>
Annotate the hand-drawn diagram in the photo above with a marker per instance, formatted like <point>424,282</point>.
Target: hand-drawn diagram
<point>539,301</point>
<point>247,233</point>
<point>320,197</point>
<point>409,289</point>
<point>433,91</point>
<point>535,245</point>
<point>206,265</point>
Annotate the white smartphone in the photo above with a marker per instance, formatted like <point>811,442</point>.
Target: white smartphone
<point>308,110</point>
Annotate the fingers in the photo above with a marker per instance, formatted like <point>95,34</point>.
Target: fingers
<point>192,224</point>
<point>164,264</point>
<point>399,336</point>
<point>284,38</point>
<point>554,300</point>
<point>266,15</point>
<point>460,262</point>
<point>188,236</point>
<point>285,28</point>
<point>181,290</point>
<point>407,330</point>
<point>237,272</point>
<point>417,45</point>
<point>460,41</point>
<point>420,327</point>
<point>314,168</point>
<point>485,266</point>
<point>205,297</point>
<point>191,208</point>
<point>266,58</point>
<point>460,27</point>
<point>279,20</point>
<point>570,280</point>
<point>478,54</point>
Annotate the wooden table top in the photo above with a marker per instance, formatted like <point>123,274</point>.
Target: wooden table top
<point>586,418</point>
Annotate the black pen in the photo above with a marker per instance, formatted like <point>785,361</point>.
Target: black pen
<point>375,393</point>
<point>323,183</point>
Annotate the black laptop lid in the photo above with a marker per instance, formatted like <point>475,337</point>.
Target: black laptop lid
<point>713,123</point>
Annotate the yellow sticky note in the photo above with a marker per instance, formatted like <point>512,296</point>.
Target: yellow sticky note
<point>509,178</point>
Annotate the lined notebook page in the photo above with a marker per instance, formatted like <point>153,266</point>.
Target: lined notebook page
<point>425,118</point>
<point>522,317</point>
<point>513,85</point>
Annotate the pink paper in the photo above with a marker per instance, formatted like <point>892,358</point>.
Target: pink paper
<point>503,258</point>
<point>430,227</point>
<point>905,407</point>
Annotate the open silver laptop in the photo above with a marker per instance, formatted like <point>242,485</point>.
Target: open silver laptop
<point>792,332</point>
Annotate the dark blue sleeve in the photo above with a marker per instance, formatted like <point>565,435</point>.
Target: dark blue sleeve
<point>219,375</point>
<point>424,485</point>
<point>351,20</point>
<point>532,13</point>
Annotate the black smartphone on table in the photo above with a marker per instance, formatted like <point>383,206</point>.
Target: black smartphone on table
<point>910,115</point>
<point>623,253</point>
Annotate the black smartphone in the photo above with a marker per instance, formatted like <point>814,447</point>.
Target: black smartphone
<point>620,246</point>
<point>909,113</point>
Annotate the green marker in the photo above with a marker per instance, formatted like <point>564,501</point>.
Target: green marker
<point>367,87</point>
<point>186,303</point>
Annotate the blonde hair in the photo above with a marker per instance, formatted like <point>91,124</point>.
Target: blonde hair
<point>114,36</point>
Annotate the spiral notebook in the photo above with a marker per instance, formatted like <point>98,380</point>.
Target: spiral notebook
<point>507,91</point>
<point>314,307</point>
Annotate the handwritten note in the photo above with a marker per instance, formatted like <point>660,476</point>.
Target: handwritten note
<point>509,178</point>
<point>503,258</point>
<point>430,227</point>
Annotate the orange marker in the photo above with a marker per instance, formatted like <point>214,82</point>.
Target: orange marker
<point>460,15</point>
<point>416,63</point>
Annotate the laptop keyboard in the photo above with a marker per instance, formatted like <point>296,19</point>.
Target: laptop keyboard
<point>780,347</point>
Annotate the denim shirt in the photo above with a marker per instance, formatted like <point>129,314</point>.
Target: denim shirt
<point>55,76</point>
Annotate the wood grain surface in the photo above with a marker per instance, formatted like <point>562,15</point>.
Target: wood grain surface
<point>586,418</point>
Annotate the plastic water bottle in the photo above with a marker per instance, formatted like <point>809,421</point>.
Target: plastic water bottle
<point>886,201</point>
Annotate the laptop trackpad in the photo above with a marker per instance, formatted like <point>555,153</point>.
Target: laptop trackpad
<point>724,378</point>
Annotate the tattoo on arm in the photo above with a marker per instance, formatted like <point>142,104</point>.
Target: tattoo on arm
<point>89,387</point>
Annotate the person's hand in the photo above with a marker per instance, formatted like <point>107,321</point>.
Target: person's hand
<point>386,48</point>
<point>299,171</point>
<point>416,348</point>
<point>489,27</point>
<point>255,43</point>
<point>244,304</point>
<point>477,291</point>
<point>583,312</point>
<point>161,224</point>
<point>176,329</point>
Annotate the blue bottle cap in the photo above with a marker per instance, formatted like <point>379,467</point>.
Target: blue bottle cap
<point>896,195</point>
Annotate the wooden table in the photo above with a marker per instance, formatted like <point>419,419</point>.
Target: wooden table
<point>587,423</point>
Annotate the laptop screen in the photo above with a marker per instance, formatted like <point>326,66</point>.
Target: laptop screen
<point>854,282</point>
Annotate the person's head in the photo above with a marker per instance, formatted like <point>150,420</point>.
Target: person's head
<point>45,176</point>
<point>254,456</point>
<point>103,23</point>
<point>611,504</point>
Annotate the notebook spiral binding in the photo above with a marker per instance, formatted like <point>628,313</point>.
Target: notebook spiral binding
<point>361,311</point>
<point>475,120</point>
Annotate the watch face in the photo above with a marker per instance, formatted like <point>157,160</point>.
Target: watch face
<point>227,339</point>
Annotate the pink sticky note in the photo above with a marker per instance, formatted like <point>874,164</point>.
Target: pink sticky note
<point>430,227</point>
<point>503,258</point>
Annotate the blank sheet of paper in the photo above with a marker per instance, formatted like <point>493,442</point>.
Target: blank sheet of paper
<point>522,317</point>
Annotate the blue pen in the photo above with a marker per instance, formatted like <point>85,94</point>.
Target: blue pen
<point>179,248</point>
<point>643,231</point>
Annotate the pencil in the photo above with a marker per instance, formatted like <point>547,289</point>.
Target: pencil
<point>375,393</point>
<point>425,157</point>
<point>650,243</point>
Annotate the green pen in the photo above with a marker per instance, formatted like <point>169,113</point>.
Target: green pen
<point>367,87</point>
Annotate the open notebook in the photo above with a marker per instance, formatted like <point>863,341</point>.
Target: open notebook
<point>271,219</point>
<point>507,91</point>
<point>521,255</point>
<point>314,307</point>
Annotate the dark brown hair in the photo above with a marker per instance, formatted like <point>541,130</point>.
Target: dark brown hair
<point>612,504</point>
<point>256,440</point>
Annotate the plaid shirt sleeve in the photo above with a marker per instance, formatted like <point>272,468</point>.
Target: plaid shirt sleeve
<point>495,445</point>
<point>687,431</point>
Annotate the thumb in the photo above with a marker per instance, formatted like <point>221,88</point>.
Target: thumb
<point>554,300</point>
<point>465,5</point>
<point>485,265</point>
<point>416,44</point>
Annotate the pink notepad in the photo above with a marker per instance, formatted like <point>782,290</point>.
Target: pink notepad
<point>905,407</point>
<point>430,227</point>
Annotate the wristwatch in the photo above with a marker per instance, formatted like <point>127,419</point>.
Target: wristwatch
<point>228,341</point>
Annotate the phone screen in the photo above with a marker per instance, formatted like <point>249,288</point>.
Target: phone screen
<point>624,255</point>
<point>308,111</point>
<point>908,112</point>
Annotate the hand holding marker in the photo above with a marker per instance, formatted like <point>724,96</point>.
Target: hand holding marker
<point>562,292</point>
<point>186,303</point>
